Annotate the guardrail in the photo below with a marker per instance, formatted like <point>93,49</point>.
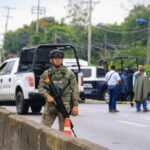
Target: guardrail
<point>19,133</point>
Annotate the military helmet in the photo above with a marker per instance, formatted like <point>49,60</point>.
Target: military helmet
<point>56,53</point>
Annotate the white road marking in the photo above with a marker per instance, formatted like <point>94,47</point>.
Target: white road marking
<point>133,123</point>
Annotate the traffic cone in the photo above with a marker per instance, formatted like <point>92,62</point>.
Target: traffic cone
<point>67,127</point>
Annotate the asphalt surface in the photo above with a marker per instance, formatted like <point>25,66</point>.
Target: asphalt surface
<point>125,130</point>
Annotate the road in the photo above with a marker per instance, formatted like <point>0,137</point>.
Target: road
<point>126,130</point>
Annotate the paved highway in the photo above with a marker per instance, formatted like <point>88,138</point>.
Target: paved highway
<point>126,130</point>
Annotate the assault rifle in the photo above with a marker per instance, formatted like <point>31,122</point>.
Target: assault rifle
<point>58,100</point>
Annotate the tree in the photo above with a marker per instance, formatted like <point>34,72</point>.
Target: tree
<point>36,39</point>
<point>14,41</point>
<point>77,13</point>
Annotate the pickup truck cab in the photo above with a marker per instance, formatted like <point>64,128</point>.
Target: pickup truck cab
<point>8,71</point>
<point>19,77</point>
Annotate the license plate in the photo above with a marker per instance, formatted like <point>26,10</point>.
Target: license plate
<point>88,85</point>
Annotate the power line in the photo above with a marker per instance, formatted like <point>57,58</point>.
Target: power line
<point>113,30</point>
<point>38,11</point>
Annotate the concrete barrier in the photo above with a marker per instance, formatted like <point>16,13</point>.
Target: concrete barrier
<point>18,133</point>
<point>3,122</point>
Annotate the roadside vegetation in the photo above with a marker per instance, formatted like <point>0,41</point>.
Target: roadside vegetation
<point>108,40</point>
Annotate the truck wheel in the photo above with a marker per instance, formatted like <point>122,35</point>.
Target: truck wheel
<point>36,108</point>
<point>82,100</point>
<point>21,104</point>
<point>106,96</point>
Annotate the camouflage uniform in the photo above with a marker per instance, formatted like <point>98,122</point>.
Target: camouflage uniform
<point>70,96</point>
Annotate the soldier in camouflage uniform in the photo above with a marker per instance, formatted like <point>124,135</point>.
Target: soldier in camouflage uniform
<point>60,76</point>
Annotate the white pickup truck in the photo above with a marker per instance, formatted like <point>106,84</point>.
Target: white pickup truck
<point>19,77</point>
<point>19,86</point>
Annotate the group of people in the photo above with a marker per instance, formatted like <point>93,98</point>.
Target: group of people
<point>141,88</point>
<point>65,83</point>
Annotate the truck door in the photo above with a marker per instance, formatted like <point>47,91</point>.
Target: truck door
<point>2,72</point>
<point>6,82</point>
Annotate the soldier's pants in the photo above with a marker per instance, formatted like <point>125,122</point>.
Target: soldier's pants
<point>50,113</point>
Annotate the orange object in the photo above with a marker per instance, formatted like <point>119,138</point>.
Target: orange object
<point>47,79</point>
<point>67,127</point>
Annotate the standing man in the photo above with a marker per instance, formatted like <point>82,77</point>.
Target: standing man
<point>65,82</point>
<point>140,70</point>
<point>113,79</point>
<point>140,92</point>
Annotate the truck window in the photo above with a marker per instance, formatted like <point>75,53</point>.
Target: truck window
<point>26,60</point>
<point>9,67</point>
<point>3,68</point>
<point>86,72</point>
<point>100,72</point>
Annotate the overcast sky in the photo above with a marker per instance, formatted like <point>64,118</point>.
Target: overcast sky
<point>107,11</point>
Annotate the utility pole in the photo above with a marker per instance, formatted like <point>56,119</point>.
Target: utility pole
<point>6,27</point>
<point>148,44</point>
<point>7,17</point>
<point>105,45</point>
<point>1,50</point>
<point>89,32</point>
<point>90,2</point>
<point>38,11</point>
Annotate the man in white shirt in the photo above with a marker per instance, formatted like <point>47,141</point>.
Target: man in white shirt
<point>113,80</point>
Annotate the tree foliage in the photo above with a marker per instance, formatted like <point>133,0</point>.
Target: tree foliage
<point>108,40</point>
<point>77,13</point>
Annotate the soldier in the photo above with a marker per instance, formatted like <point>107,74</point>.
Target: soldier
<point>60,76</point>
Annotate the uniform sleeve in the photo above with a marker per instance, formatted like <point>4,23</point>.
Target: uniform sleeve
<point>41,85</point>
<point>75,89</point>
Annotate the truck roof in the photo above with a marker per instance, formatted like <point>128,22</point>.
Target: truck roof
<point>40,53</point>
<point>10,59</point>
<point>71,62</point>
<point>47,45</point>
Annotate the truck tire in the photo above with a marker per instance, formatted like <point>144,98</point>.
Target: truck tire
<point>82,100</point>
<point>36,108</point>
<point>21,104</point>
<point>106,96</point>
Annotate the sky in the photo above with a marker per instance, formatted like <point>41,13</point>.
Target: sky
<point>106,11</point>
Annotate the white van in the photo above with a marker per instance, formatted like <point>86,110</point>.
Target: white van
<point>70,62</point>
<point>94,83</point>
